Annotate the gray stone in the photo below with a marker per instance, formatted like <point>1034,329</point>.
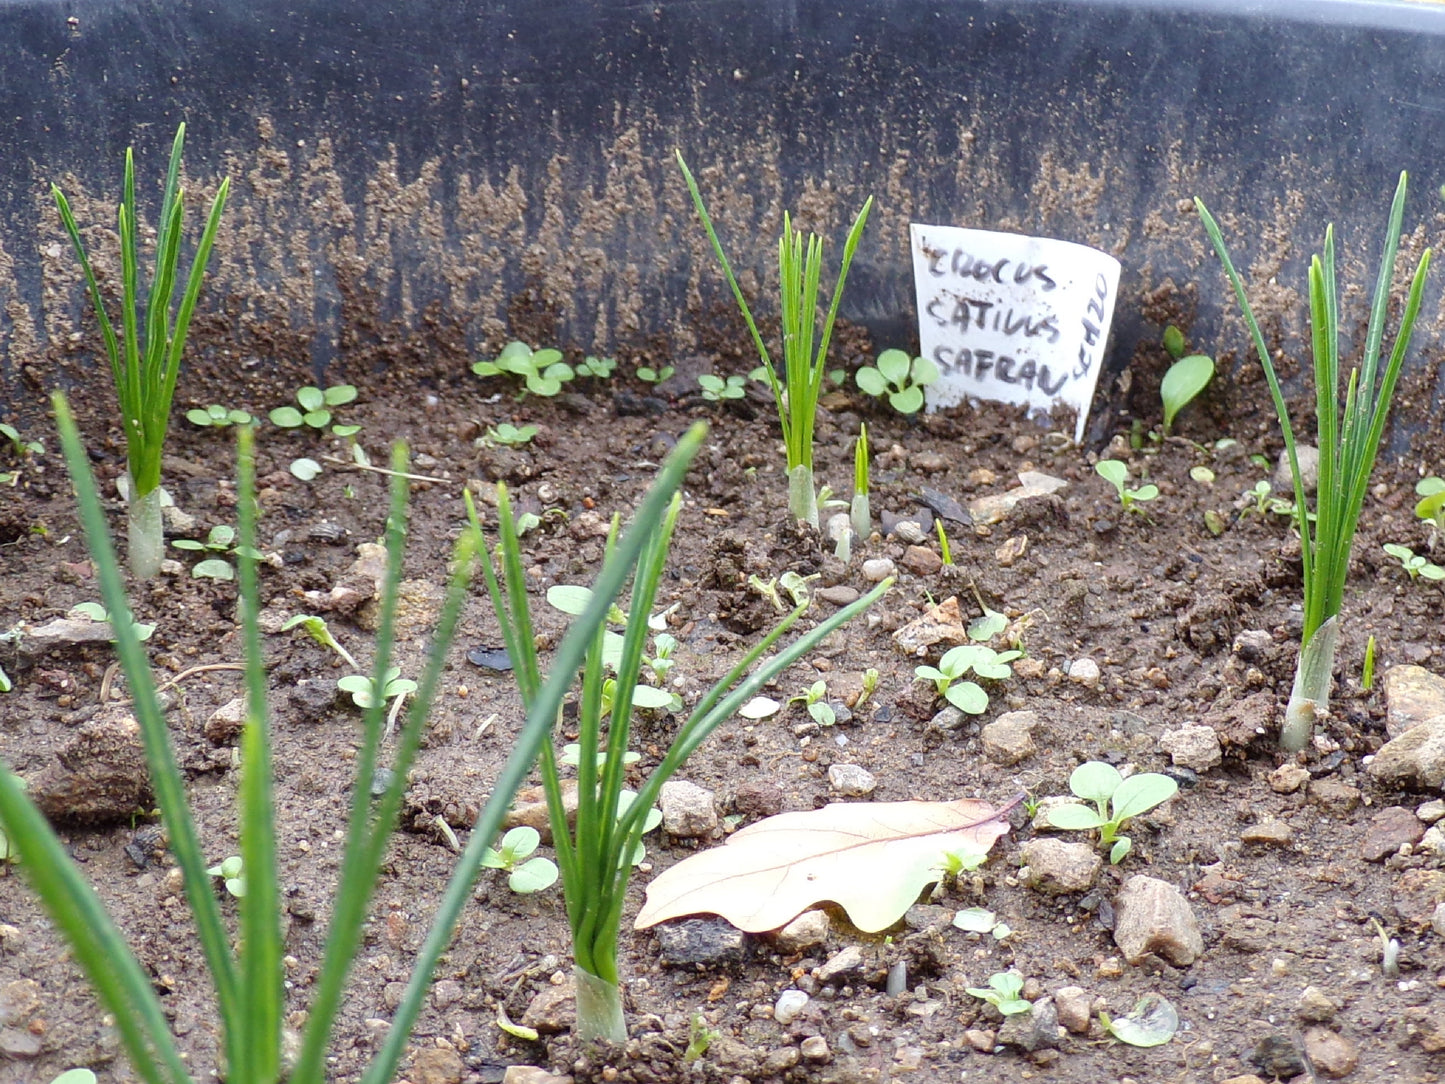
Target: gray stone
<point>1389,830</point>
<point>1153,917</point>
<point>838,595</point>
<point>1432,842</point>
<point>1415,758</point>
<point>1075,1007</point>
<point>1308,458</point>
<point>789,1004</point>
<point>1288,778</point>
<point>851,781</point>
<point>947,720</point>
<point>1010,738</point>
<point>553,1009</point>
<point>1194,747</point>
<point>706,942</point>
<point>804,932</point>
<point>19,1043</point>
<point>1315,1006</point>
<point>688,811</point>
<point>1412,695</point>
<point>837,526</point>
<point>1055,867</point>
<point>1437,920</point>
<point>1251,645</point>
<point>840,965</point>
<point>1037,1029</point>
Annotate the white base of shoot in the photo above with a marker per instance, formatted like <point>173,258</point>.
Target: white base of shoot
<point>1310,697</point>
<point>145,544</point>
<point>802,498</point>
<point>599,1008</point>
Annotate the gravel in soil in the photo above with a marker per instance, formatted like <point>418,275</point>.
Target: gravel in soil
<point>1250,901</point>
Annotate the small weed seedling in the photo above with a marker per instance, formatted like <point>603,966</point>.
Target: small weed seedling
<point>524,875</point>
<point>900,379</point>
<point>543,371</point>
<point>508,435</point>
<point>1415,565</point>
<point>315,412</point>
<point>1116,801</point>
<point>232,875</point>
<point>812,698</point>
<point>1367,672</point>
<point>597,368</point>
<point>984,661</point>
<point>870,685</point>
<point>1431,508</point>
<point>363,693</point>
<point>318,630</point>
<point>664,644</point>
<point>216,416</point>
<point>94,611</point>
<point>23,449</point>
<point>1117,474</point>
<point>655,375</point>
<point>1004,993</point>
<point>944,549</point>
<point>1187,377</point>
<point>221,539</point>
<point>700,1037</point>
<point>715,389</point>
<point>860,516</point>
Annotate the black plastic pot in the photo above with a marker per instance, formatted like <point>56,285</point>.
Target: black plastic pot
<point>403,174</point>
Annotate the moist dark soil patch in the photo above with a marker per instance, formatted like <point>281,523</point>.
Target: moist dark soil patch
<point>1158,602</point>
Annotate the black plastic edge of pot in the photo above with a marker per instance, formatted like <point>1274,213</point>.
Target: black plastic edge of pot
<point>402,175</point>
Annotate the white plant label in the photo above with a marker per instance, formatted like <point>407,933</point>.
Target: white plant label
<point>1011,318</point>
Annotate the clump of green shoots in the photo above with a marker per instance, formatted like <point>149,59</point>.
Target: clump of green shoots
<point>507,435</point>
<point>145,358</point>
<point>984,661</point>
<point>797,388</point>
<point>1116,801</point>
<point>1348,438</point>
<point>596,856</point>
<point>1117,474</point>
<point>898,378</point>
<point>597,368</point>
<point>1187,377</point>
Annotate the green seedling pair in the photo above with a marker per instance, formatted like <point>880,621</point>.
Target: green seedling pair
<point>1004,992</point>
<point>542,371</point>
<point>525,875</point>
<point>1117,474</point>
<point>1116,801</point>
<point>1417,566</point>
<point>898,378</point>
<point>316,405</point>
<point>984,661</point>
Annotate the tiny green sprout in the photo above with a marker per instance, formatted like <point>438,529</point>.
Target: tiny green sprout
<point>1367,672</point>
<point>318,630</point>
<point>1203,475</point>
<point>699,1038</point>
<point>315,412</point>
<point>812,698</point>
<point>1117,474</point>
<point>860,517</point>
<point>363,692</point>
<point>543,371</point>
<point>870,685</point>
<point>524,877</point>
<point>654,375</point>
<point>75,1076</point>
<point>5,683</point>
<point>527,521</point>
<point>1213,522</point>
<point>305,468</point>
<point>1187,377</point>
<point>1431,507</point>
<point>967,696</point>
<point>22,448</point>
<point>944,549</point>
<point>216,416</point>
<point>962,860</point>
<point>1116,801</point>
<point>715,388</point>
<point>1031,806</point>
<point>899,378</point>
<point>1415,565</point>
<point>664,644</point>
<point>213,568</point>
<point>597,368</point>
<point>1004,993</point>
<point>507,434</point>
<point>517,1031</point>
<point>94,611</point>
<point>218,540</point>
<point>231,874</point>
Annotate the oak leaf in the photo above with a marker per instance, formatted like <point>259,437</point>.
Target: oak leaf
<point>871,858</point>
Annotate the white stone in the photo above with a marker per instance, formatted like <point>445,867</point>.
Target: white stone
<point>1194,747</point>
<point>1085,671</point>
<point>789,1004</point>
<point>877,569</point>
<point>808,930</point>
<point>851,781</point>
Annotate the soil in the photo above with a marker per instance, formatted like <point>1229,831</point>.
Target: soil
<point>1156,600</point>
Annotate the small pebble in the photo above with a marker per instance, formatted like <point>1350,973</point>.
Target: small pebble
<point>1431,811</point>
<point>1288,778</point>
<point>851,781</point>
<point>1315,1006</point>
<point>789,1004</point>
<point>1333,1055</point>
<point>877,569</point>
<point>804,932</point>
<point>981,1040</point>
<point>1268,834</point>
<point>841,964</point>
<point>838,595</point>
<point>1085,671</point>
<point>815,1048</point>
